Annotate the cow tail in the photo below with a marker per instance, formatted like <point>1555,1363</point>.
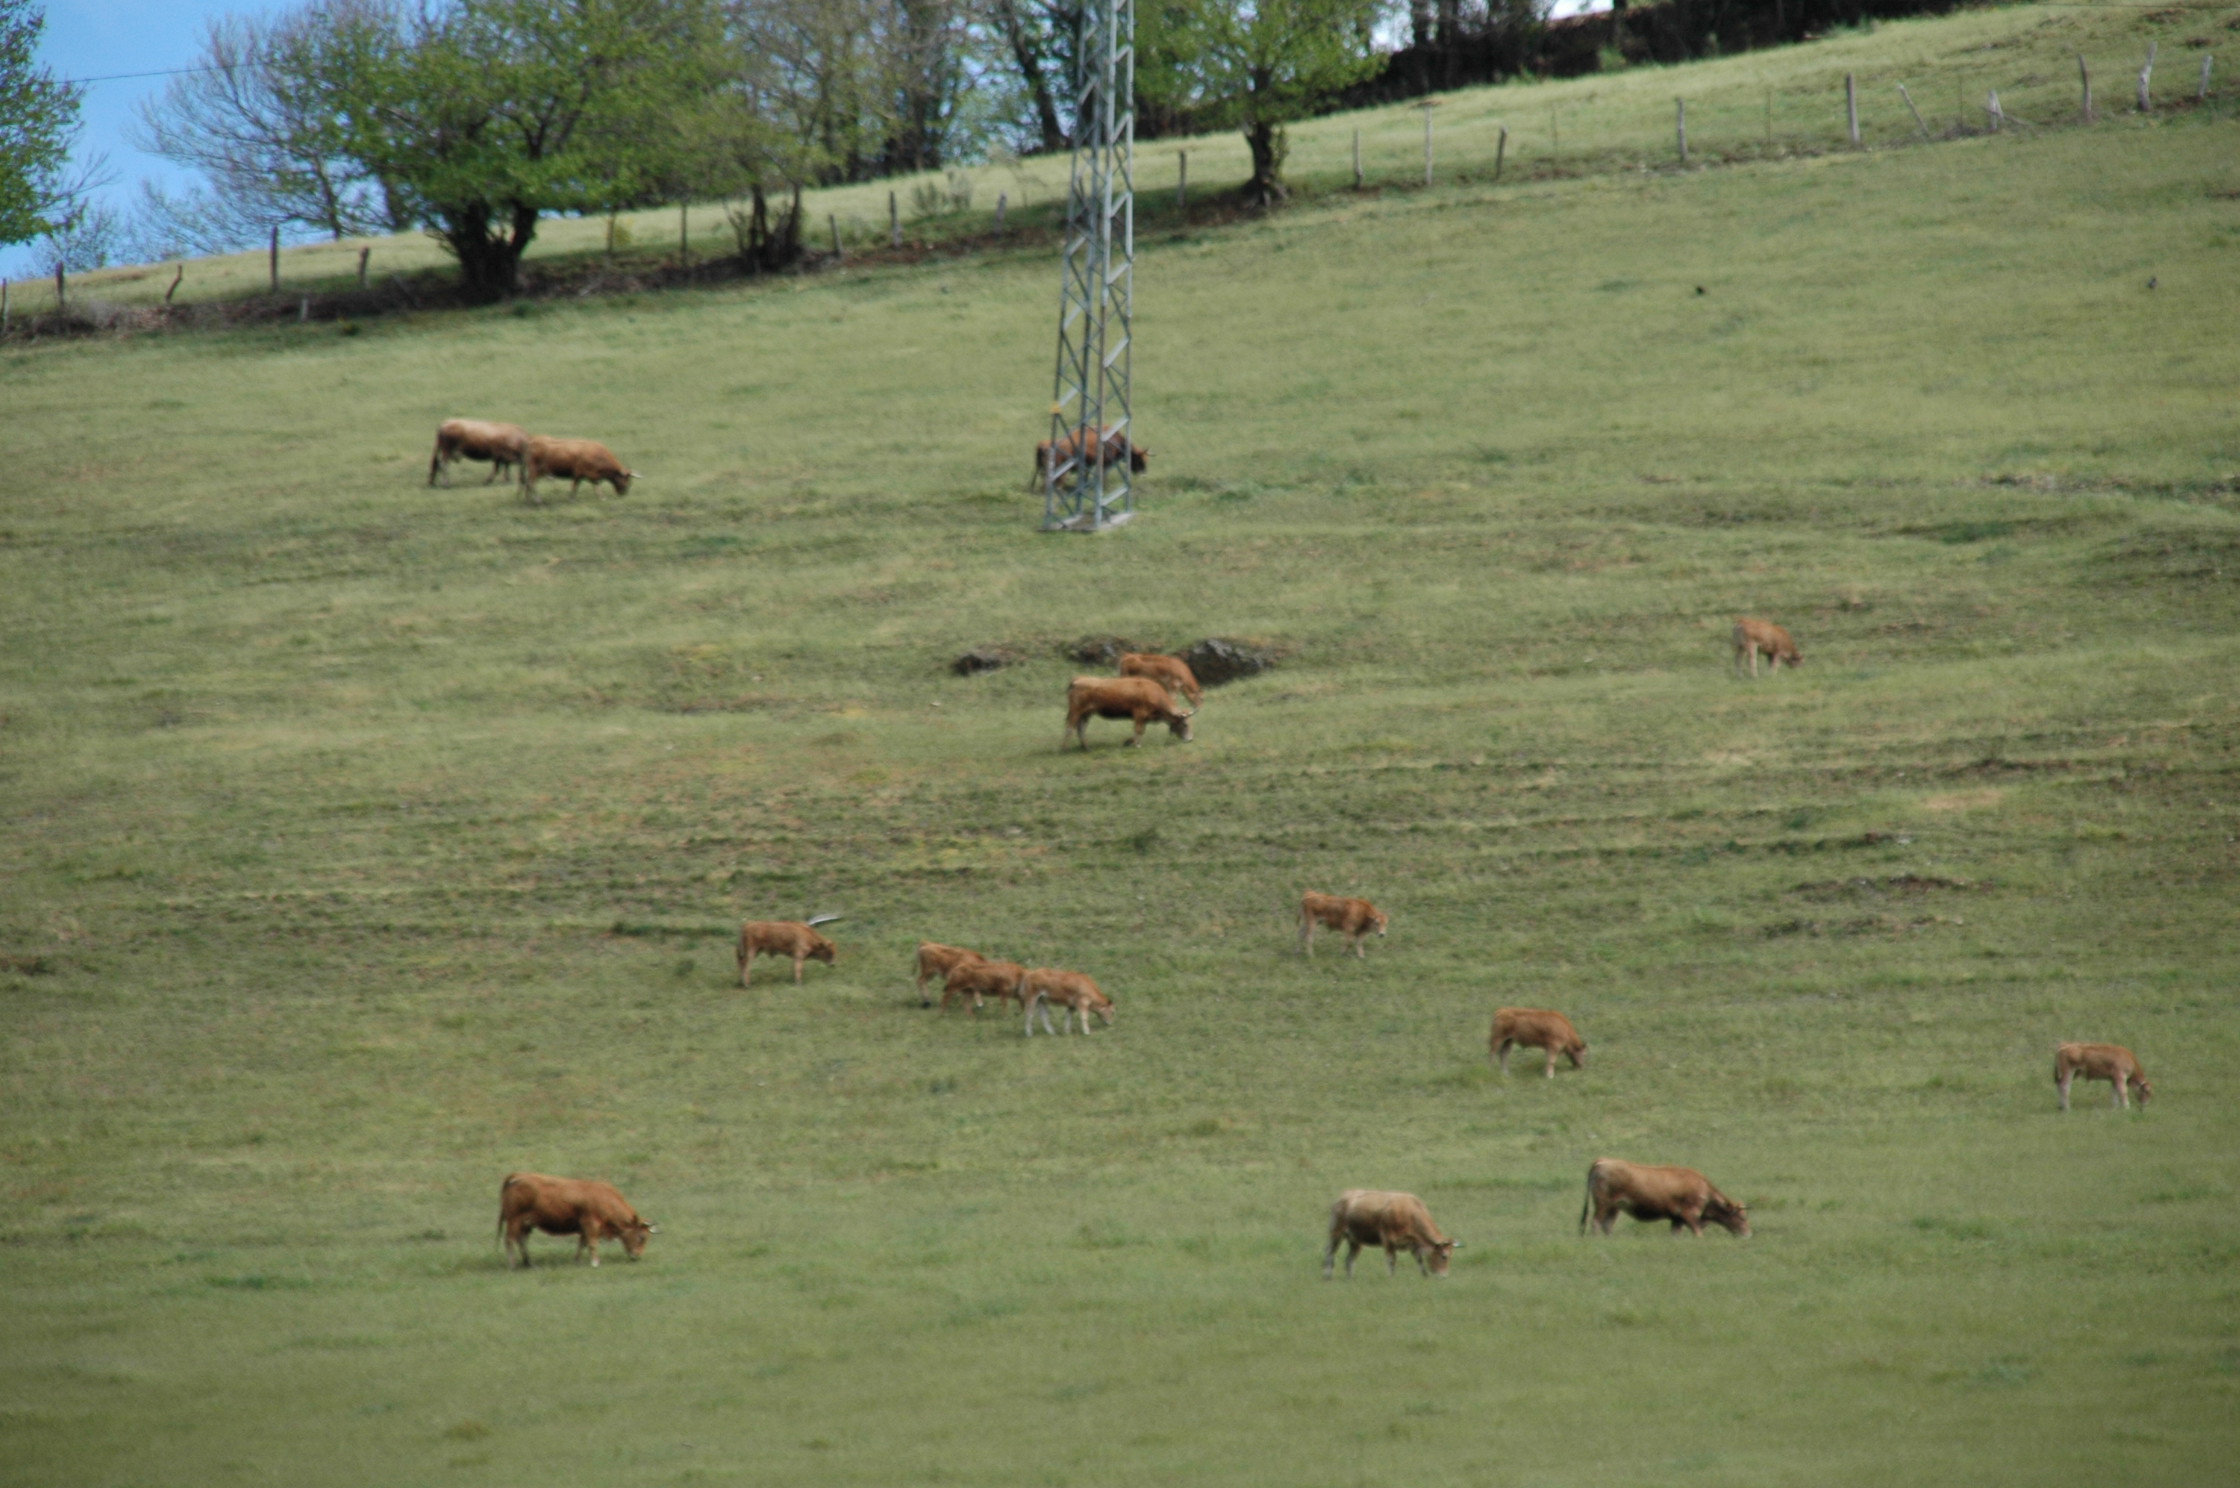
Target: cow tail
<point>1587,1207</point>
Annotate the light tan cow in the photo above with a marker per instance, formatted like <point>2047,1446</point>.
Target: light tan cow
<point>1355,917</point>
<point>583,1207</point>
<point>978,980</point>
<point>1681,1195</point>
<point>2111,1062</point>
<point>782,938</point>
<point>1170,672</point>
<point>576,461</point>
<point>936,961</point>
<point>1075,995</point>
<point>1754,636</point>
<point>1365,1217</point>
<point>1536,1028</point>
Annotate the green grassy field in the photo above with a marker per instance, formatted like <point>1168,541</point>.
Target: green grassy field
<point>366,842</point>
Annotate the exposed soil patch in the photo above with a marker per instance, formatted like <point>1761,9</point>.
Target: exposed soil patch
<point>1897,883</point>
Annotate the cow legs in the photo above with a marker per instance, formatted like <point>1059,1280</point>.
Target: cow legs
<point>1330,1256</point>
<point>1391,1261</point>
<point>1137,737</point>
<point>2121,1095</point>
<point>2062,1079</point>
<point>1551,1061</point>
<point>746,968</point>
<point>1359,949</point>
<point>1501,1057</point>
<point>797,960</point>
<point>1306,935</point>
<point>1353,1248</point>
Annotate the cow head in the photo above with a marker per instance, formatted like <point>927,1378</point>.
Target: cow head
<point>1179,725</point>
<point>2141,1089</point>
<point>1138,458</point>
<point>622,482</point>
<point>1577,1053</point>
<point>1104,1011</point>
<point>824,950</point>
<point>633,1236</point>
<point>1380,919</point>
<point>1436,1255</point>
<point>1728,1215</point>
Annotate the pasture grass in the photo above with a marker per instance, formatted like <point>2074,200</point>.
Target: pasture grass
<point>367,841</point>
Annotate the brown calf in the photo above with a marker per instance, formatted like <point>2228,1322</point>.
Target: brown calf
<point>1397,1221</point>
<point>2111,1062</point>
<point>476,439</point>
<point>1170,672</point>
<point>978,980</point>
<point>1075,995</point>
<point>1138,698</point>
<point>585,1208</point>
<point>578,460</point>
<point>781,938</point>
<point>1753,636</point>
<point>1356,917</point>
<point>936,961</point>
<point>1112,447</point>
<point>1536,1028</point>
<point>1681,1195</point>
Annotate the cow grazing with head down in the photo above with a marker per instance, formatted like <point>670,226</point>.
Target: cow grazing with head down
<point>782,938</point>
<point>583,1207</point>
<point>1365,1217</point>
<point>936,961</point>
<point>501,445</point>
<point>1752,637</point>
<point>1170,672</point>
<point>1681,1195</point>
<point>1075,995</point>
<point>979,980</point>
<point>1138,698</point>
<point>1111,448</point>
<point>1353,917</point>
<point>1536,1028</point>
<point>2111,1062</point>
<point>575,460</point>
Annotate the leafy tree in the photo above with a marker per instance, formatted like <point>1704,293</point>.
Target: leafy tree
<point>1253,65</point>
<point>479,117</point>
<point>38,118</point>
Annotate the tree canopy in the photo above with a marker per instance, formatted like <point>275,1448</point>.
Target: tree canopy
<point>38,117</point>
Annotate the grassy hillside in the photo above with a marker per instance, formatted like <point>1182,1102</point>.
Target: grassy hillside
<point>367,841</point>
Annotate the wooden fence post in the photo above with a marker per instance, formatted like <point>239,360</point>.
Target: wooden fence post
<point>1680,126</point>
<point>275,258</point>
<point>684,232</point>
<point>2146,75</point>
<point>61,293</point>
<point>2084,76</point>
<point>1851,106</point>
<point>1357,160</point>
<point>1428,105</point>
<point>1003,200</point>
<point>1991,107</point>
<point>1181,179</point>
<point>365,256</point>
<point>837,250</point>
<point>2203,95</point>
<point>3,307</point>
<point>1769,118</point>
<point>177,278</point>
<point>303,311</point>
<point>1917,120</point>
<point>1500,150</point>
<point>894,221</point>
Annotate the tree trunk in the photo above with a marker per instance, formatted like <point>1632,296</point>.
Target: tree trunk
<point>1268,146</point>
<point>489,259</point>
<point>1032,72</point>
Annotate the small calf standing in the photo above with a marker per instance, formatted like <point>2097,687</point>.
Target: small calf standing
<point>476,439</point>
<point>1075,995</point>
<point>979,980</point>
<point>1681,1195</point>
<point>1397,1221</point>
<point>1138,698</point>
<point>1536,1028</point>
<point>1112,448</point>
<point>782,938</point>
<point>583,1207</point>
<point>1170,672</point>
<point>936,961</point>
<point>579,460</point>
<point>1355,917</point>
<point>2111,1062</point>
<point>1754,636</point>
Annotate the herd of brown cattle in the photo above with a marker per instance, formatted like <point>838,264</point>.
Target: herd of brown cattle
<point>509,446</point>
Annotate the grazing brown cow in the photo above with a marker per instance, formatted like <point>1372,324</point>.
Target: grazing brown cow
<point>1356,917</point>
<point>583,1207</point>
<point>1075,995</point>
<point>1170,672</point>
<point>1397,1221</point>
<point>1754,636</point>
<point>1681,1195</point>
<point>978,980</point>
<point>476,439</point>
<point>1138,698</point>
<point>1111,446</point>
<point>2111,1062</point>
<point>1536,1028</point>
<point>936,961</point>
<point>578,460</point>
<point>781,938</point>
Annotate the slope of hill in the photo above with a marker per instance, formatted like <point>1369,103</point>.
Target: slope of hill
<point>369,841</point>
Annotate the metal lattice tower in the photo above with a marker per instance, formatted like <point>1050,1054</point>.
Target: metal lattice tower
<point>1096,305</point>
